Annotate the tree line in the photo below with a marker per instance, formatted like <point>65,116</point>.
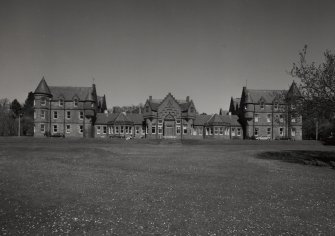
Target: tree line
<point>11,112</point>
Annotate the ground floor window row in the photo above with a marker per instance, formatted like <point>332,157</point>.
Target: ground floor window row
<point>281,131</point>
<point>68,128</point>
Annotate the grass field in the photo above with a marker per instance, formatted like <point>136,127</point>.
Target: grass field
<point>113,187</point>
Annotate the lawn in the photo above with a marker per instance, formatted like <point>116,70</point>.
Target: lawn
<point>117,187</point>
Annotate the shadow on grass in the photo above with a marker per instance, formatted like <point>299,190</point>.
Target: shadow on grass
<point>315,158</point>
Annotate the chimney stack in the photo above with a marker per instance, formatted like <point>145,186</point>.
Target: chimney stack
<point>187,98</point>
<point>150,98</point>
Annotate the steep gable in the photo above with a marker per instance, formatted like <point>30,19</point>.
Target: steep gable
<point>43,88</point>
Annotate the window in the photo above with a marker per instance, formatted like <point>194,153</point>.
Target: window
<point>293,132</point>
<point>81,129</point>
<point>256,118</point>
<point>268,118</point>
<point>92,104</point>
<point>104,131</point>
<point>147,109</point>
<point>160,129</point>
<point>216,130</point>
<point>121,129</point>
<point>137,130</point>
<point>232,131</point>
<point>61,102</point>
<point>43,102</point>
<point>75,102</point>
<point>126,129</point>
<point>262,105</point>
<point>42,128</point>
<point>281,118</point>
<point>43,114</point>
<point>292,107</point>
<point>256,131</point>
<point>55,128</point>
<point>55,115</point>
<point>268,131</point>
<point>293,120</point>
<point>276,106</point>
<point>68,129</point>
<point>192,109</point>
<point>98,129</point>
<point>68,115</point>
<point>281,131</point>
<point>160,122</point>
<point>130,130</point>
<point>238,131</point>
<point>185,128</point>
<point>226,131</point>
<point>153,129</point>
<point>178,129</point>
<point>110,129</point>
<point>116,129</point>
<point>178,122</point>
<point>81,115</point>
<point>221,130</point>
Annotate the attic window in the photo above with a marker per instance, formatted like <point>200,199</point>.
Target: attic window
<point>276,106</point>
<point>192,109</point>
<point>61,102</point>
<point>75,102</point>
<point>262,105</point>
<point>147,109</point>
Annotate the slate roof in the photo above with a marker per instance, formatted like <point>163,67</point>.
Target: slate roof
<point>69,93</point>
<point>216,120</point>
<point>255,95</point>
<point>119,118</point>
<point>201,119</point>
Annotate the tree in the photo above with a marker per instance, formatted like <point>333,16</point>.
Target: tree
<point>28,117</point>
<point>317,86</point>
<point>16,107</point>
<point>8,125</point>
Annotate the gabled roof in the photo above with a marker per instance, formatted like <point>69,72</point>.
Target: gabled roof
<point>42,88</point>
<point>68,93</point>
<point>215,120</point>
<point>155,103</point>
<point>256,95</point>
<point>231,119</point>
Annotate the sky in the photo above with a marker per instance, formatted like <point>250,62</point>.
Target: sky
<point>205,49</point>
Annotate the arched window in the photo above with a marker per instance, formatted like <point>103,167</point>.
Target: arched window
<point>43,101</point>
<point>75,102</point>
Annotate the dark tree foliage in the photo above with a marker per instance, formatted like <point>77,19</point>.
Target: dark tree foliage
<point>16,107</point>
<point>28,117</point>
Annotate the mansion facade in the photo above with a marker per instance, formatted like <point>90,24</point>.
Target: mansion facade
<point>80,112</point>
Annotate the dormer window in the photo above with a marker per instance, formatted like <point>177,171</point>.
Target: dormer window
<point>75,102</point>
<point>147,109</point>
<point>61,102</point>
<point>276,106</point>
<point>43,102</point>
<point>262,105</point>
<point>192,109</point>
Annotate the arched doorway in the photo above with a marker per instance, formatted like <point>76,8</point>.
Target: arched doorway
<point>169,127</point>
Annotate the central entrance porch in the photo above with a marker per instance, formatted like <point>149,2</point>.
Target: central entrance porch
<point>169,129</point>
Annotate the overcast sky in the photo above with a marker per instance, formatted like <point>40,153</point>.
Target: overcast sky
<point>135,48</point>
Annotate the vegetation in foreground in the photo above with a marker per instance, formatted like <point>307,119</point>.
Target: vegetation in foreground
<point>112,188</point>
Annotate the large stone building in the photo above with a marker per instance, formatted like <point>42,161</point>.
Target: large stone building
<point>269,113</point>
<point>66,111</point>
<point>80,112</point>
<point>168,118</point>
